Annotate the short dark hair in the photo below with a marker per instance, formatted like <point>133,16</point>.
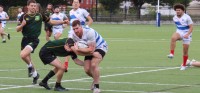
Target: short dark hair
<point>179,6</point>
<point>1,6</point>
<point>56,6</point>
<point>75,23</point>
<point>40,7</point>
<point>31,1</point>
<point>78,0</point>
<point>50,4</point>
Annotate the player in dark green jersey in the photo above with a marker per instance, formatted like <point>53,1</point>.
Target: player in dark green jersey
<point>47,27</point>
<point>31,24</point>
<point>48,54</point>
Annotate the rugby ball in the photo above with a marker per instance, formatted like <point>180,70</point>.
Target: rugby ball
<point>82,44</point>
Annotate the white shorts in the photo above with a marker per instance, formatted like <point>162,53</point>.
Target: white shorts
<point>3,25</point>
<point>185,40</point>
<point>55,31</point>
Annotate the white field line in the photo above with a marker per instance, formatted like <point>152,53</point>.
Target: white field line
<point>121,74</point>
<point>140,83</point>
<point>13,70</point>
<point>117,91</point>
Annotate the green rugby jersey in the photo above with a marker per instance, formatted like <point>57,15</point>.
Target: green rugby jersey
<point>33,24</point>
<point>57,47</point>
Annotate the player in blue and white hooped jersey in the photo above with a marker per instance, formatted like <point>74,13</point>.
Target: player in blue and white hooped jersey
<point>79,14</point>
<point>57,29</point>
<point>183,32</point>
<point>20,13</point>
<point>3,17</point>
<point>94,53</point>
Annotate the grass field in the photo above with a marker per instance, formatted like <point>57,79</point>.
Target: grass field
<point>135,63</point>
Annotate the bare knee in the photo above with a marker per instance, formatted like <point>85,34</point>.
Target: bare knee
<point>87,70</point>
<point>23,55</point>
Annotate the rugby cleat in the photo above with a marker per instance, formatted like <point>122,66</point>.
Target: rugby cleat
<point>35,79</point>
<point>8,36</point>
<point>171,56</point>
<point>45,85</point>
<point>96,90</point>
<point>30,73</point>
<point>183,68</point>
<point>60,88</point>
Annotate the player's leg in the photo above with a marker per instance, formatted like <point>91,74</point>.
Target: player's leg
<point>47,57</point>
<point>97,58</point>
<point>48,30</point>
<point>61,69</point>
<point>34,72</point>
<point>87,68</point>
<point>57,35</point>
<point>3,33</point>
<point>87,65</point>
<point>185,56</point>
<point>176,36</point>
<point>194,63</point>
<point>26,57</point>
<point>186,43</point>
<point>48,35</point>
<point>47,77</point>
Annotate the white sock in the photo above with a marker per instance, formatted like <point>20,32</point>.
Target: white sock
<point>4,39</point>
<point>30,65</point>
<point>190,63</point>
<point>34,73</point>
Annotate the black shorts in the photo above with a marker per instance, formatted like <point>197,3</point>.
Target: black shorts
<point>47,27</point>
<point>32,41</point>
<point>46,56</point>
<point>101,52</point>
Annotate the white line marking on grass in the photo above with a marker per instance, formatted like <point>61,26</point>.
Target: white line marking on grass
<point>121,74</point>
<point>147,71</point>
<point>10,28</point>
<point>13,70</point>
<point>8,85</point>
<point>119,91</point>
<point>14,78</point>
<point>134,83</point>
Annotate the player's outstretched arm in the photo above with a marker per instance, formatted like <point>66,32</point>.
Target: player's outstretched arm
<point>57,22</point>
<point>90,20</point>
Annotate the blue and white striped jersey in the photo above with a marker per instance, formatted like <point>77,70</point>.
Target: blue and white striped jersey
<point>3,15</point>
<point>59,16</point>
<point>19,15</point>
<point>90,35</point>
<point>79,14</point>
<point>182,23</point>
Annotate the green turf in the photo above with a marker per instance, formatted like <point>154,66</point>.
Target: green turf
<point>136,62</point>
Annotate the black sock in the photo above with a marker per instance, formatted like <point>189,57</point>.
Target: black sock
<point>57,84</point>
<point>48,76</point>
<point>96,85</point>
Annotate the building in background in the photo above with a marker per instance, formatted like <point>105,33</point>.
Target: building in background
<point>88,4</point>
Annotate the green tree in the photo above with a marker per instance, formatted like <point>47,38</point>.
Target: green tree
<point>110,5</point>
<point>138,4</point>
<point>9,3</point>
